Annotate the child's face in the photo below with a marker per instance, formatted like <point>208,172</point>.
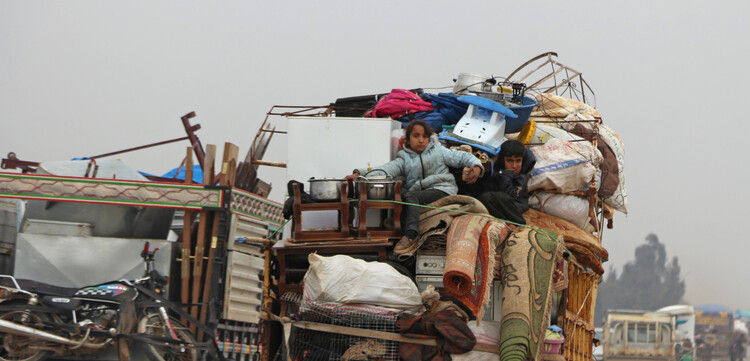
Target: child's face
<point>513,163</point>
<point>418,140</point>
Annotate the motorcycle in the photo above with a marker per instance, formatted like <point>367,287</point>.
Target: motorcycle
<point>39,320</point>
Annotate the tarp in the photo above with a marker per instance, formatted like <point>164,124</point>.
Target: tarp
<point>744,314</point>
<point>713,308</point>
<point>197,174</point>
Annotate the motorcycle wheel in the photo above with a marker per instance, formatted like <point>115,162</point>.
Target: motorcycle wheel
<point>152,324</point>
<point>17,348</point>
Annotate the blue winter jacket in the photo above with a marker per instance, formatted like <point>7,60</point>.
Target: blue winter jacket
<point>428,170</point>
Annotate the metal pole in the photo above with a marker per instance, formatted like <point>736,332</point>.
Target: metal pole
<point>137,148</point>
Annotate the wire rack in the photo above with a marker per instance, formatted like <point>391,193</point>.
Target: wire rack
<point>312,345</point>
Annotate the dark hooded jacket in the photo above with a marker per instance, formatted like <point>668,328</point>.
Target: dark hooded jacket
<point>514,185</point>
<point>502,181</point>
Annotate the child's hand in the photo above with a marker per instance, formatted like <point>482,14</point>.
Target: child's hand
<point>471,174</point>
<point>352,176</point>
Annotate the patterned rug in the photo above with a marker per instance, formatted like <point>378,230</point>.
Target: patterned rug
<point>528,264</point>
<point>473,279</point>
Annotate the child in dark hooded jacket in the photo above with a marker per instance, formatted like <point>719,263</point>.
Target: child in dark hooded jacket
<point>506,195</point>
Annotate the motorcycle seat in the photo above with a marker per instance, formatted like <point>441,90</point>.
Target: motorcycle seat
<point>40,287</point>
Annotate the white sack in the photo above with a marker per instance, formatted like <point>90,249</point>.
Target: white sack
<point>345,279</point>
<point>573,209</point>
<point>618,200</point>
<point>486,333</point>
<point>563,166</point>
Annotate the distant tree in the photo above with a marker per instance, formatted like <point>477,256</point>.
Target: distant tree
<point>647,283</point>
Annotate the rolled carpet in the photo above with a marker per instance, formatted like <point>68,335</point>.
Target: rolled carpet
<point>461,253</point>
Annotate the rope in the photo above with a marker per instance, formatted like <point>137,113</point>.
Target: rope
<point>542,230</point>
<point>273,235</point>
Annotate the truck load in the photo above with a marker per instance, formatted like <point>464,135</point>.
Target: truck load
<point>504,265</point>
<point>510,289</point>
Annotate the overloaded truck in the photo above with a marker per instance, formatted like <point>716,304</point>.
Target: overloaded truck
<point>529,290</point>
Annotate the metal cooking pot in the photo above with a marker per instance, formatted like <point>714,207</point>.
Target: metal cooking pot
<point>323,190</point>
<point>380,189</point>
<point>377,188</point>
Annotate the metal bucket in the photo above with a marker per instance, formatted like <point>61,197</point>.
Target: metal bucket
<point>467,82</point>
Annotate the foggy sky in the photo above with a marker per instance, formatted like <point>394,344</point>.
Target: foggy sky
<point>88,77</point>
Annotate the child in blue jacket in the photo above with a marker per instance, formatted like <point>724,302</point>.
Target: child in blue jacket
<point>424,163</point>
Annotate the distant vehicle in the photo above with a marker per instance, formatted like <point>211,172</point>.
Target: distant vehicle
<point>715,324</point>
<point>638,335</point>
<point>684,321</point>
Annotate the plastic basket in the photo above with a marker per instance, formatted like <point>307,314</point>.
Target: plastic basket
<point>552,345</point>
<point>523,112</point>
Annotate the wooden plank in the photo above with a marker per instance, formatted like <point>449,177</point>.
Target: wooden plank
<point>208,171</point>
<point>228,174</point>
<point>265,337</point>
<point>390,336</point>
<point>269,163</point>
<point>186,238</point>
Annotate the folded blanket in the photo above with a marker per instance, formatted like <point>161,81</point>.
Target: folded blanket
<point>570,232</point>
<point>437,221</point>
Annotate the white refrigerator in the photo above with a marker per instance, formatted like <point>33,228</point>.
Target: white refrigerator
<point>331,147</point>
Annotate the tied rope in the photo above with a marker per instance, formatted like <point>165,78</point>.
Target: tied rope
<point>545,231</point>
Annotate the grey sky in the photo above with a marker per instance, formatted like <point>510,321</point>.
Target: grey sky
<point>88,77</point>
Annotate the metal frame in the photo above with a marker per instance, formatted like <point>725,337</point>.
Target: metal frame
<point>559,87</point>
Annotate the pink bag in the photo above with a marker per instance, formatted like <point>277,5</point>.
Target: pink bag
<point>398,103</point>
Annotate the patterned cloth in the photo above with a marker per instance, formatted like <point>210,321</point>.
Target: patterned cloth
<point>478,276</point>
<point>500,231</point>
<point>528,264</point>
<point>481,292</point>
<point>453,336</point>
<point>560,276</point>
<point>461,254</point>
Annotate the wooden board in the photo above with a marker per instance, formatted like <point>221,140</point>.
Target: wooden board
<point>228,173</point>
<point>208,172</point>
<point>186,237</point>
